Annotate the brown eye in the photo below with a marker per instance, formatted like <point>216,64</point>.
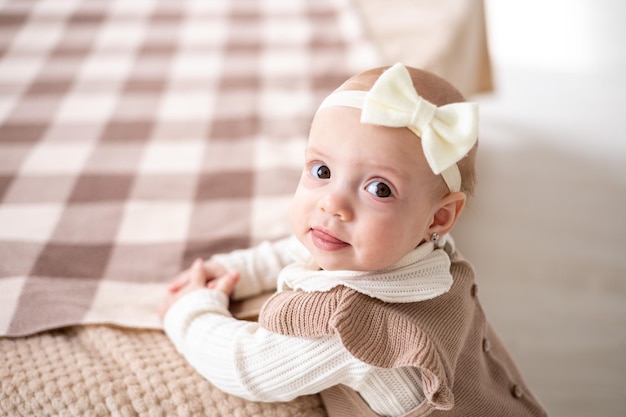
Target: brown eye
<point>320,171</point>
<point>379,189</point>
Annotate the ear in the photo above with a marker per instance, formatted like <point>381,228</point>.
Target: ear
<point>447,213</point>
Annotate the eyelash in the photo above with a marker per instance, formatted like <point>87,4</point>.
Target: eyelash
<point>374,188</point>
<point>321,171</point>
<point>316,168</point>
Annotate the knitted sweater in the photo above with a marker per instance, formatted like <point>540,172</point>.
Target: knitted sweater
<point>247,360</point>
<point>260,364</point>
<point>465,370</point>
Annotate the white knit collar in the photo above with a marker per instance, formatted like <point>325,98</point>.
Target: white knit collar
<point>422,274</point>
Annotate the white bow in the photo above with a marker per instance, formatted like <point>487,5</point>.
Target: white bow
<point>447,133</point>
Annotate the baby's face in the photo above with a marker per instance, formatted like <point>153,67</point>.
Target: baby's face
<point>366,196</point>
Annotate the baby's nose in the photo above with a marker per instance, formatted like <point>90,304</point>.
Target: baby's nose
<point>337,204</point>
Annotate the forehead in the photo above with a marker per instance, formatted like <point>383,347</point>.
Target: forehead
<point>338,132</point>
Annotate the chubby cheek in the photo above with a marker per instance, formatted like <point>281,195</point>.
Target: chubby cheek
<point>379,248</point>
<point>298,213</point>
<point>389,241</point>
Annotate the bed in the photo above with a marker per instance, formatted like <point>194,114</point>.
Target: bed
<point>137,136</point>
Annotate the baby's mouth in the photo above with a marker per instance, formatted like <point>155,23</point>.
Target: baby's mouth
<point>326,241</point>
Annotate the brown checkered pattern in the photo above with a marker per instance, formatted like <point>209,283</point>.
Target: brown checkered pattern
<point>138,135</point>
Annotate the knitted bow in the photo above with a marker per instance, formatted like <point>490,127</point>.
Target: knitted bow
<point>447,133</point>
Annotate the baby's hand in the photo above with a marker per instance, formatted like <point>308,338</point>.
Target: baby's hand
<point>199,275</point>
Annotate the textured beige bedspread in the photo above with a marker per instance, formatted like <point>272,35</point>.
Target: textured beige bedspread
<point>105,371</point>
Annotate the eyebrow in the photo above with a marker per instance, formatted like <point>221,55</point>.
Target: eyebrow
<point>311,149</point>
<point>378,167</point>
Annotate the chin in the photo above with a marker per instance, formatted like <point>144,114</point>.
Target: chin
<point>337,265</point>
<point>331,264</point>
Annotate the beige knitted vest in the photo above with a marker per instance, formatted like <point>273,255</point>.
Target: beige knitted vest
<point>465,369</point>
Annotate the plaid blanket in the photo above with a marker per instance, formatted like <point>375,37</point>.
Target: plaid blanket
<point>136,136</point>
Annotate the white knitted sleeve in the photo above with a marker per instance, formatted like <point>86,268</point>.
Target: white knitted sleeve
<point>243,359</point>
<point>259,266</point>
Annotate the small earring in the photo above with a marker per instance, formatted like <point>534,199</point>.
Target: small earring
<point>434,237</point>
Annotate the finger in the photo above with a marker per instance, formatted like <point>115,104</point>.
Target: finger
<point>197,272</point>
<point>226,283</point>
<point>180,281</point>
<point>182,278</point>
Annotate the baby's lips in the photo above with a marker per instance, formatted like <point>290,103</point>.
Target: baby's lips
<point>326,241</point>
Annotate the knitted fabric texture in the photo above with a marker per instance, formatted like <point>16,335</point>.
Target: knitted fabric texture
<point>444,337</point>
<point>422,274</point>
<point>106,371</point>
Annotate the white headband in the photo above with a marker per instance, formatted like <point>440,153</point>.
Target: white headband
<point>447,133</point>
